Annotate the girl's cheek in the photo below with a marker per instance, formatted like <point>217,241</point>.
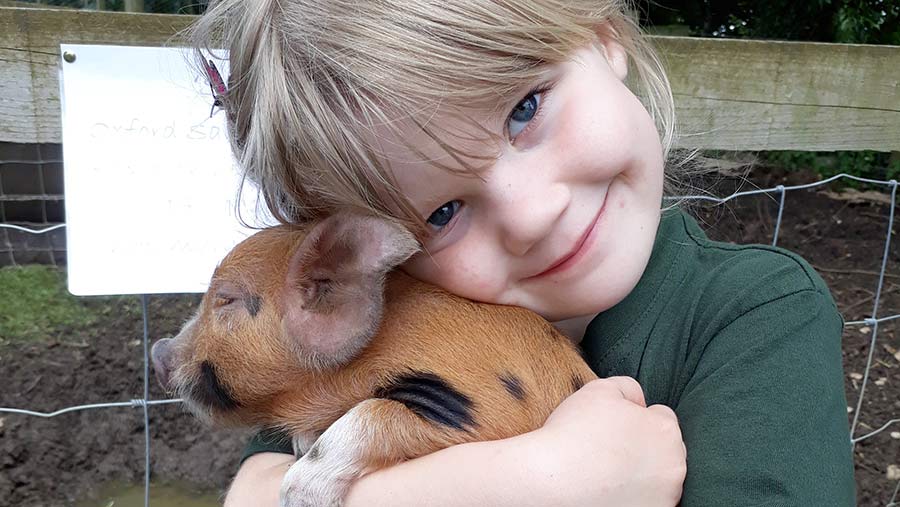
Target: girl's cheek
<point>437,267</point>
<point>466,269</point>
<point>422,267</point>
<point>441,268</point>
<point>474,273</point>
<point>590,145</point>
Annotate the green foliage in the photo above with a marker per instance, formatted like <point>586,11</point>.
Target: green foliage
<point>865,164</point>
<point>872,22</point>
<point>174,6</point>
<point>846,21</point>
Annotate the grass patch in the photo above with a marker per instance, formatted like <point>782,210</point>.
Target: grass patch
<point>34,304</point>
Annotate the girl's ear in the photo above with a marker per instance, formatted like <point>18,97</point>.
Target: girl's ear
<point>616,56</point>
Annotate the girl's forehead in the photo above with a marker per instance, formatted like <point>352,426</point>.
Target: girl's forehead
<point>425,162</point>
<point>453,139</point>
<point>458,136</point>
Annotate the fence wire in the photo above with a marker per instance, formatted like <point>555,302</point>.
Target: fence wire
<point>781,190</point>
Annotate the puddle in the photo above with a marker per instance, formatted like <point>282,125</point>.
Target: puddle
<point>161,495</point>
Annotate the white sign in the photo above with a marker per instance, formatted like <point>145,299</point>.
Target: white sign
<point>150,182</point>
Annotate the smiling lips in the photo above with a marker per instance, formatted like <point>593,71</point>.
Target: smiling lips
<point>576,252</point>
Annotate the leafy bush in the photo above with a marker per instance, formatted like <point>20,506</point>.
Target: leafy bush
<point>846,21</point>
<point>865,164</point>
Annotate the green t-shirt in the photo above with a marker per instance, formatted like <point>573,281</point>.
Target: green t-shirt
<point>744,343</point>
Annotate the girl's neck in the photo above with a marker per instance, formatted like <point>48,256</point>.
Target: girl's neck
<point>574,328</point>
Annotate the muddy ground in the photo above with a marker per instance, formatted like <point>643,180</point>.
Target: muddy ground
<point>70,458</point>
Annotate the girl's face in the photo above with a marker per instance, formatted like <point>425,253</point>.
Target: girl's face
<point>564,220</point>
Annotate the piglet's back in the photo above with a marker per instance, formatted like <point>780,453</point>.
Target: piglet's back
<point>491,370</point>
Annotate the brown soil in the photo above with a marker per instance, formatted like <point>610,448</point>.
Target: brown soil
<point>66,459</point>
<point>55,462</point>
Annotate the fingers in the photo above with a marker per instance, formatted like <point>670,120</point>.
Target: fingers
<point>668,415</point>
<point>627,386</point>
<point>629,389</point>
<point>664,411</point>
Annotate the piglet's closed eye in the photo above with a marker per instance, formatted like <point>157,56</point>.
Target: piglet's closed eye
<point>335,282</point>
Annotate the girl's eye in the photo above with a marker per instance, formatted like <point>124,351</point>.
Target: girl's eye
<point>523,113</point>
<point>444,214</point>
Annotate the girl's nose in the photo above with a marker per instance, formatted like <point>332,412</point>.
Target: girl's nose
<point>529,211</point>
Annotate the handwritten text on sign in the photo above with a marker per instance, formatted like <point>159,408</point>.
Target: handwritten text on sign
<point>150,182</point>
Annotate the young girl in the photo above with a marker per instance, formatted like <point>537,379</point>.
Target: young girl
<point>525,141</point>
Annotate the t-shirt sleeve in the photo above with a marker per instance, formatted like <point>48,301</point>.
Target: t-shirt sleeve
<point>267,440</point>
<point>764,416</point>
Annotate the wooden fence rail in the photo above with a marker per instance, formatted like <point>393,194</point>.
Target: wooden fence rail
<point>731,94</point>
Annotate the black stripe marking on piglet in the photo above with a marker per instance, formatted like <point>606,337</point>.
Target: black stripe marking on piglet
<point>430,397</point>
<point>209,390</point>
<point>513,385</point>
<point>253,304</point>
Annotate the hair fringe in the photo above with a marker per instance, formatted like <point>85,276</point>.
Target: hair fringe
<point>311,80</point>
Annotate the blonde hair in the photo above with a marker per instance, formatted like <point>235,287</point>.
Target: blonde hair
<point>310,79</point>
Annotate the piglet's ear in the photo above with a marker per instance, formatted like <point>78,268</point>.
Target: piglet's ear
<point>335,283</point>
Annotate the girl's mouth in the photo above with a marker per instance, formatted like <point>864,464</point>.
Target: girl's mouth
<point>578,250</point>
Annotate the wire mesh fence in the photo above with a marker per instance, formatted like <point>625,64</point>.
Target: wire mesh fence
<point>31,195</point>
<point>872,322</point>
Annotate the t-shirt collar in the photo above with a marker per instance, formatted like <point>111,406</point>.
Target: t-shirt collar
<point>613,324</point>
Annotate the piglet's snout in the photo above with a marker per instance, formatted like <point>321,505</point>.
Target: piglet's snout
<point>161,354</point>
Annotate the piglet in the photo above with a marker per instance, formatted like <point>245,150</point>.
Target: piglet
<point>312,331</point>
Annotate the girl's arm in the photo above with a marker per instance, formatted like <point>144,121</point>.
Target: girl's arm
<point>258,480</point>
<point>765,414</point>
<point>601,446</point>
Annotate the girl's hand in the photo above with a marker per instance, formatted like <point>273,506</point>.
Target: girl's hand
<point>604,446</point>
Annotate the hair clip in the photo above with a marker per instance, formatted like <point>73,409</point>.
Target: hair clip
<point>216,85</point>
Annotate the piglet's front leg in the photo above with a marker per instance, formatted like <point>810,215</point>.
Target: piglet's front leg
<point>303,442</point>
<point>374,434</point>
